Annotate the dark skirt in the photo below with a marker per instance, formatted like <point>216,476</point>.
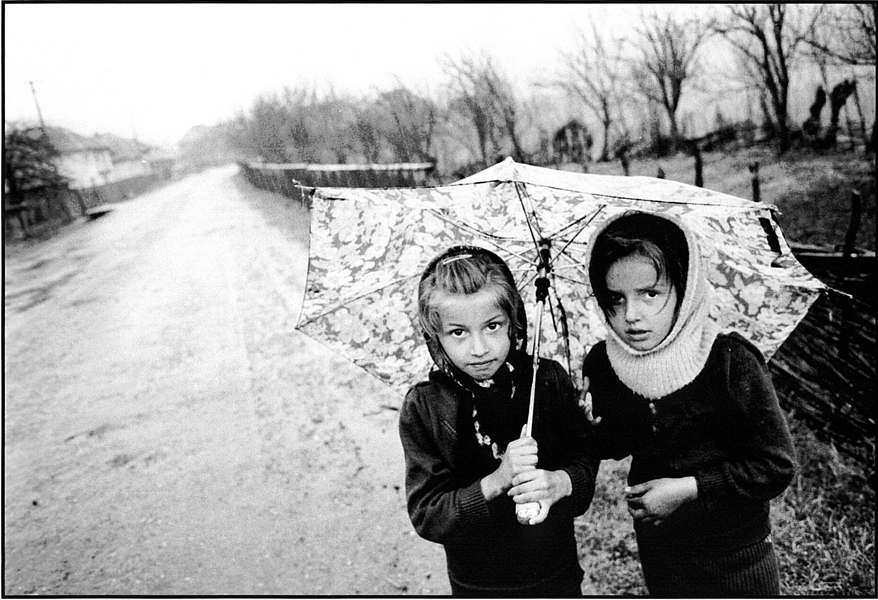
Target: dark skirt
<point>565,584</point>
<point>751,571</point>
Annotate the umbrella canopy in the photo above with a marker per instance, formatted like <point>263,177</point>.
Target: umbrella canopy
<point>368,248</point>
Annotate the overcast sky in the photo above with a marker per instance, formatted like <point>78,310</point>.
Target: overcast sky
<point>156,70</point>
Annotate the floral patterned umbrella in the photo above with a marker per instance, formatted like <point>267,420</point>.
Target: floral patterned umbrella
<point>368,248</point>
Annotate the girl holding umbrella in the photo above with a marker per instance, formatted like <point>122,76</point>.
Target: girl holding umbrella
<point>468,462</point>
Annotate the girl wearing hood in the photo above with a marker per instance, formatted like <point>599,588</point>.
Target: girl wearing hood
<point>694,408</point>
<point>468,463</point>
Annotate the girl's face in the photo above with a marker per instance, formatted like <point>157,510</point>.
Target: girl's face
<point>645,306</point>
<point>474,332</point>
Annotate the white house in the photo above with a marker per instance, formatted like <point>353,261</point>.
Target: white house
<point>84,162</point>
<point>128,156</point>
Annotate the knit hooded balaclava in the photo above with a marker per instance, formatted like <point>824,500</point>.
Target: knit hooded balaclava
<point>517,335</point>
<point>681,356</point>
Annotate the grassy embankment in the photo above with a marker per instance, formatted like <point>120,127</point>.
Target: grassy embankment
<point>824,523</point>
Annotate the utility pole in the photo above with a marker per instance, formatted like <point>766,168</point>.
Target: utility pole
<point>39,112</point>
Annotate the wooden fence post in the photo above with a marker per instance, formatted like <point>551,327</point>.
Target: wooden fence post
<point>754,170</point>
<point>699,166</point>
<point>83,207</point>
<point>850,240</point>
<point>661,173</point>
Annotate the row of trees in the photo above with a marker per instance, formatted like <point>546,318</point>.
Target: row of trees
<point>299,125</point>
<point>629,89</point>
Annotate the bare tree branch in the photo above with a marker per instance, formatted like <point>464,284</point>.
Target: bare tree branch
<point>484,99</point>
<point>767,37</point>
<point>669,61</point>
<point>593,74</point>
<point>412,123</point>
<point>844,33</point>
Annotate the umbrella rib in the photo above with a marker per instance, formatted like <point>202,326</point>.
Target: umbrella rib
<point>565,331</point>
<point>488,236</point>
<point>491,238</point>
<point>751,206</point>
<point>581,229</point>
<point>352,299</point>
<point>572,224</point>
<point>570,279</point>
<point>530,215</point>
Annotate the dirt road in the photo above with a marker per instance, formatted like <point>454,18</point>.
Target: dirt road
<point>168,432</point>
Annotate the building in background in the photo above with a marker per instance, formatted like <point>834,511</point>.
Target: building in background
<point>101,159</point>
<point>85,162</point>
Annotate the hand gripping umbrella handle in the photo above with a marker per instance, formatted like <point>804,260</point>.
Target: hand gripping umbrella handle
<point>528,510</point>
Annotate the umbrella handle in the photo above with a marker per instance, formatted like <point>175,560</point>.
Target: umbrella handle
<point>536,358</point>
<point>527,511</point>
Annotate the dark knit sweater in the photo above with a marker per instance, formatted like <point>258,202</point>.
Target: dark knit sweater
<point>486,547</point>
<point>725,428</point>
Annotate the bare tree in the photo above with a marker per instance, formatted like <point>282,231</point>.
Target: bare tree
<point>299,133</point>
<point>367,129</point>
<point>668,49</point>
<point>844,33</point>
<point>505,102</point>
<point>593,74</point>
<point>334,117</point>
<point>262,132</point>
<point>483,98</point>
<point>767,37</point>
<point>296,125</point>
<point>410,125</point>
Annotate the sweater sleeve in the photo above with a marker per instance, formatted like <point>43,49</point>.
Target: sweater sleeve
<point>613,436</point>
<point>439,509</point>
<point>764,463</point>
<point>578,459</point>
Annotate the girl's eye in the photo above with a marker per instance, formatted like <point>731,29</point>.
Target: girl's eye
<point>615,299</point>
<point>456,333</point>
<point>494,326</point>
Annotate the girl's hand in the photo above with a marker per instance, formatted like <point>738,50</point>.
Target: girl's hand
<point>520,456</point>
<point>538,485</point>
<point>656,500</point>
<point>585,403</point>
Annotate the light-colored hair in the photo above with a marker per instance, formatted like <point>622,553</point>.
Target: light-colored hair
<point>467,270</point>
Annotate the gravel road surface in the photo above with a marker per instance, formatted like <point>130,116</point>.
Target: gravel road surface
<point>168,432</point>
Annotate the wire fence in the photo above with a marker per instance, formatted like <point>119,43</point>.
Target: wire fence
<point>825,371</point>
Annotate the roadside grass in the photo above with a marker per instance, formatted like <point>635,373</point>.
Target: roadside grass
<point>607,546</point>
<point>823,527</point>
<point>824,523</point>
